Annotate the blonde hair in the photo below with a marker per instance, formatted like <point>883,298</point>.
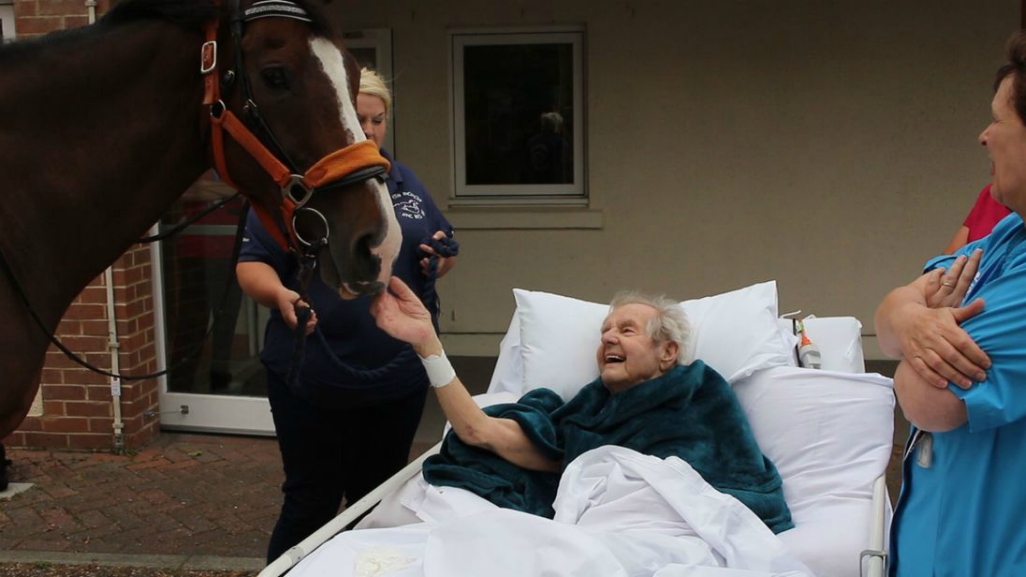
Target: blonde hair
<point>371,83</point>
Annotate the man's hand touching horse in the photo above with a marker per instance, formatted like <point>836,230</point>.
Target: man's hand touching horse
<point>400,313</point>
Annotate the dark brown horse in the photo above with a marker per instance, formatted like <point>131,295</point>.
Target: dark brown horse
<point>103,127</point>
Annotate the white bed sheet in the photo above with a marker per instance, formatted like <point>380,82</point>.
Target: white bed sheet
<point>829,433</point>
<point>618,514</point>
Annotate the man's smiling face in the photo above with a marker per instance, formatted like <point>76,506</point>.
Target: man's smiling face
<point>629,354</point>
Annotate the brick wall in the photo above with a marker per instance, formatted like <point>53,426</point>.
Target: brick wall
<point>77,410</point>
<point>77,404</point>
<point>37,17</point>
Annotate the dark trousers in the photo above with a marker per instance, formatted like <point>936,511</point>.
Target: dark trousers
<point>329,454</point>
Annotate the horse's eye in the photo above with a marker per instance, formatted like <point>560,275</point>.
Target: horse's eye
<point>275,77</point>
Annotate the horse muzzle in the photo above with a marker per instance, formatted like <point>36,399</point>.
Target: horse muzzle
<point>349,291</point>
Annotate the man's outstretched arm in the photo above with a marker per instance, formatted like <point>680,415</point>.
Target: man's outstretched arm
<point>400,313</point>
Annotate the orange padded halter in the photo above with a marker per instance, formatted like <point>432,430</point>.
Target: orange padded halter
<point>334,166</point>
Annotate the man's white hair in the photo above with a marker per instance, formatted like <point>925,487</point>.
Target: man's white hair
<point>669,324</point>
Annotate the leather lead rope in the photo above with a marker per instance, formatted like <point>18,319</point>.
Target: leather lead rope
<point>448,247</point>
<point>307,263</point>
<point>178,228</point>
<point>20,290</point>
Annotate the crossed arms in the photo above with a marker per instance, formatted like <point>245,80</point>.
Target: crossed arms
<point>920,323</point>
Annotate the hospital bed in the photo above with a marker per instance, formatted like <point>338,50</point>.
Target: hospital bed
<point>829,432</point>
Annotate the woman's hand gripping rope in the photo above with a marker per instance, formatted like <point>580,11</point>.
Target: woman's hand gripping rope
<point>440,249</point>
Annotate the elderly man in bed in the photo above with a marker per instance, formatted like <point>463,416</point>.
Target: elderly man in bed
<point>960,330</point>
<point>645,400</point>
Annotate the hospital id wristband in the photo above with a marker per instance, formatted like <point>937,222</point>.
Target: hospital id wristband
<point>439,370</point>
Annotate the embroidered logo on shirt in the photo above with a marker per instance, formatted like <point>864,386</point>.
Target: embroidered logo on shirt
<point>407,205</point>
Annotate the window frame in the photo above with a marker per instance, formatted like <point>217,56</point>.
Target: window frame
<point>575,192</point>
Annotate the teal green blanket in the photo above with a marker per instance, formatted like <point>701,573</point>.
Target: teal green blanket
<point>690,412</point>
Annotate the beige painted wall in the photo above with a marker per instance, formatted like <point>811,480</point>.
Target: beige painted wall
<point>828,144</point>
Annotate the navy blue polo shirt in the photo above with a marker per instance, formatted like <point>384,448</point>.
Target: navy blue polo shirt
<point>346,327</point>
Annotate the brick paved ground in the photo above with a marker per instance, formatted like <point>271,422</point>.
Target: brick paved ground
<point>184,494</point>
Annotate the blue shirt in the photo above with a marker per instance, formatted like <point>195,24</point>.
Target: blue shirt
<point>962,508</point>
<point>347,328</point>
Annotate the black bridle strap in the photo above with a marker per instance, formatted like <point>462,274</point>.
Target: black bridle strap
<point>307,262</point>
<point>264,9</point>
<point>20,290</point>
<point>282,9</point>
<point>296,188</point>
<point>178,228</point>
<point>5,266</point>
<point>356,176</point>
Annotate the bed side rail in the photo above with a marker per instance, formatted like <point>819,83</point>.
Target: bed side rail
<point>873,561</point>
<point>351,513</point>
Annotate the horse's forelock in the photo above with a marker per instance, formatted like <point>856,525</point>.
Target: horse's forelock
<point>321,24</point>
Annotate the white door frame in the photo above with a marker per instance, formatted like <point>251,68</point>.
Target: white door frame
<point>7,20</point>
<point>200,412</point>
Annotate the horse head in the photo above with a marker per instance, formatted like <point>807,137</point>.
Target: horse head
<point>281,91</point>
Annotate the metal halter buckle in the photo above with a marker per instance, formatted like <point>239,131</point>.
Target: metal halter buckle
<point>296,182</point>
<point>208,56</point>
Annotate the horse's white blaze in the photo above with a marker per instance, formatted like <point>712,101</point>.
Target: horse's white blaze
<point>331,62</point>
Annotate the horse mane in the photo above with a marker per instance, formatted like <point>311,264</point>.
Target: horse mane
<point>187,14</point>
<point>193,14</point>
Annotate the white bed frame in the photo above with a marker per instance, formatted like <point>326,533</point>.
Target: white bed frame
<point>873,561</point>
<point>834,334</point>
<point>877,555</point>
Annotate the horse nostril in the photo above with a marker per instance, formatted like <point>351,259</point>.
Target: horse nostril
<point>368,263</point>
<point>365,244</point>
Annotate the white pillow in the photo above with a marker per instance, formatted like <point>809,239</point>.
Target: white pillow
<point>839,340</point>
<point>508,374</point>
<point>559,337</point>
<point>830,435</point>
<point>735,333</point>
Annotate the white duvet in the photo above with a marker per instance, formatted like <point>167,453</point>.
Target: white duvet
<point>618,513</point>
